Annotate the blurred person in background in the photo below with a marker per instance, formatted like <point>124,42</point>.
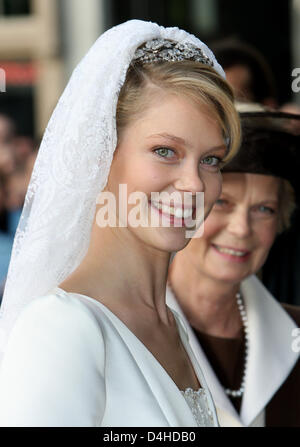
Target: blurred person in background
<point>17,156</point>
<point>7,140</point>
<point>7,145</point>
<point>15,190</point>
<point>23,148</point>
<point>7,162</point>
<point>7,130</point>
<point>242,337</point>
<point>252,79</point>
<point>247,71</point>
<point>6,241</point>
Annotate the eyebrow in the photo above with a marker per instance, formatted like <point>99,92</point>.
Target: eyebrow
<point>185,142</point>
<point>261,202</point>
<point>171,137</point>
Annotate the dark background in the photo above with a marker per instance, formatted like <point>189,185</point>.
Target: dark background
<point>262,23</point>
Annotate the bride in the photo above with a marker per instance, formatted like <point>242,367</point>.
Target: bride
<point>95,343</point>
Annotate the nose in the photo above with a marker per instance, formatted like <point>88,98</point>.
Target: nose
<point>189,179</point>
<point>239,223</point>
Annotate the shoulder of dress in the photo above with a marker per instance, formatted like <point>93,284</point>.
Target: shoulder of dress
<point>293,311</point>
<point>60,320</point>
<point>65,307</point>
<point>53,362</point>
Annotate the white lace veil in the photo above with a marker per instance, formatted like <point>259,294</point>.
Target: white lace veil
<point>72,167</point>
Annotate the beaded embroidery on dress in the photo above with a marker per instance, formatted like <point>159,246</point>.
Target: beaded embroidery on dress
<point>198,403</point>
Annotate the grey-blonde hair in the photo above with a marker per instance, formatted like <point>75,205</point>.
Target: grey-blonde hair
<point>287,204</point>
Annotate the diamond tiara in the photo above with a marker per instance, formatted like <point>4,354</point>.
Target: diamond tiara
<point>157,50</point>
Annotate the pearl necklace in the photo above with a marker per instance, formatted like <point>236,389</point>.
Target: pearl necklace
<point>243,314</point>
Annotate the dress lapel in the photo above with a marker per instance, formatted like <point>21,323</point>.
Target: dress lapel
<point>185,340</point>
<point>271,357</point>
<point>225,410</point>
<point>270,360</point>
<point>167,395</point>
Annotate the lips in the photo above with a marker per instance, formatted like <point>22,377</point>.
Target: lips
<point>176,211</point>
<point>178,215</point>
<point>233,253</point>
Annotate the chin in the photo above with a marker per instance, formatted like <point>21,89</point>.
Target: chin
<point>233,277</point>
<point>177,243</point>
<point>167,239</point>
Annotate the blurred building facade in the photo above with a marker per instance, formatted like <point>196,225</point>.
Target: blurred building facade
<point>29,54</point>
<point>41,41</point>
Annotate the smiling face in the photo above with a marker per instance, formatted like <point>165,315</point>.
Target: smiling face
<point>173,147</point>
<point>240,229</point>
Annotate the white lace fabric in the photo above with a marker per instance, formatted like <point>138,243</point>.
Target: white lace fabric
<point>72,168</point>
<point>198,403</point>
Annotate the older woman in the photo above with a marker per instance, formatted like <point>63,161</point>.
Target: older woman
<point>244,339</point>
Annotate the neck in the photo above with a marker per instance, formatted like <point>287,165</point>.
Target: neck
<point>209,305</point>
<point>123,273</point>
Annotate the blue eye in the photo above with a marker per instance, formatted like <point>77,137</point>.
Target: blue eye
<point>211,161</point>
<point>266,209</point>
<point>164,152</point>
<point>223,205</point>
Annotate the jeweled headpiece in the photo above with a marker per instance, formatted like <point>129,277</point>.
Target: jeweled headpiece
<point>157,50</point>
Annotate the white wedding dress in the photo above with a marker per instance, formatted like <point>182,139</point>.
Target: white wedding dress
<point>71,362</point>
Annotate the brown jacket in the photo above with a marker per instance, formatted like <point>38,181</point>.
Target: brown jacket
<point>227,359</point>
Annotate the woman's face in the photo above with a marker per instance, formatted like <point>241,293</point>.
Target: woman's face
<point>173,147</point>
<point>240,229</point>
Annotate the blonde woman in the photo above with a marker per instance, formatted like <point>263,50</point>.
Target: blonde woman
<point>148,108</point>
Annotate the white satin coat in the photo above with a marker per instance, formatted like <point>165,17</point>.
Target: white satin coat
<point>71,362</point>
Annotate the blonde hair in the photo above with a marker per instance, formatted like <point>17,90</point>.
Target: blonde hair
<point>196,81</point>
<point>287,204</point>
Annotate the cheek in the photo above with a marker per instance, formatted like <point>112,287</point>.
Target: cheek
<point>199,247</point>
<point>266,235</point>
<point>213,189</point>
<point>152,177</point>
<point>146,181</point>
<point>213,226</point>
<point>196,249</point>
<point>125,170</point>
